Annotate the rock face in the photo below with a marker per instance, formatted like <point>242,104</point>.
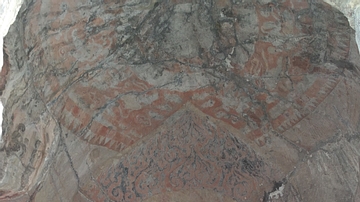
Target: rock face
<point>348,7</point>
<point>180,101</point>
<point>351,9</point>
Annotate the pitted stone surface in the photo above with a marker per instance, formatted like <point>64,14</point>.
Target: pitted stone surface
<point>155,100</point>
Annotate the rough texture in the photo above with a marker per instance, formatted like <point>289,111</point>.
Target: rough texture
<point>357,26</point>
<point>351,9</point>
<point>181,101</point>
<point>347,7</point>
<point>8,11</point>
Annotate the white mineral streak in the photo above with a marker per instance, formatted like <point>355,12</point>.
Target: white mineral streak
<point>357,25</point>
<point>351,9</point>
<point>8,12</point>
<point>277,193</point>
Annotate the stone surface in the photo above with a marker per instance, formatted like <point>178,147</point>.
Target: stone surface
<point>8,11</point>
<point>351,9</point>
<point>347,7</point>
<point>180,101</point>
<point>357,25</point>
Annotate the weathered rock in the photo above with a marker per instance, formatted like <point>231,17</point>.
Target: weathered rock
<point>179,101</point>
<point>347,7</point>
<point>8,11</point>
<point>351,9</point>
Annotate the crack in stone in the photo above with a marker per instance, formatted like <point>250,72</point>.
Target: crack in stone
<point>63,144</point>
<point>97,183</point>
